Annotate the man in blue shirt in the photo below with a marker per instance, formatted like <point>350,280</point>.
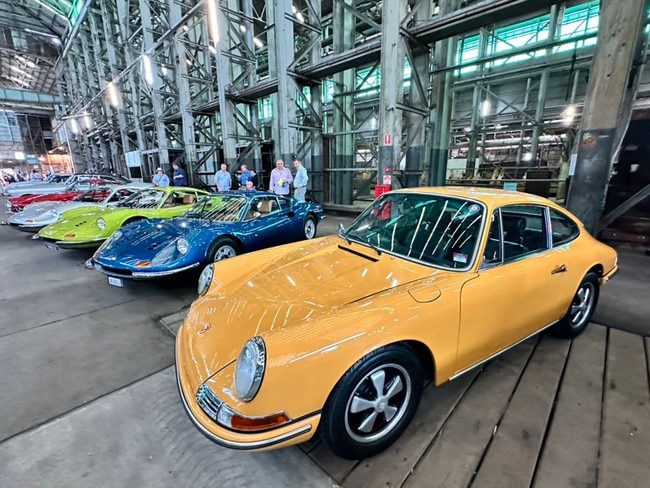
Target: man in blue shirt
<point>160,178</point>
<point>180,177</point>
<point>222,179</point>
<point>245,176</point>
<point>300,181</point>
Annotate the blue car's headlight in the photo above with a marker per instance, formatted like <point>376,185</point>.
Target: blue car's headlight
<point>182,245</point>
<point>249,370</point>
<point>164,256</point>
<point>205,279</point>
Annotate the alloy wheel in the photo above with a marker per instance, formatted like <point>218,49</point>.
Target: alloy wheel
<point>378,403</point>
<point>582,304</point>
<point>224,252</point>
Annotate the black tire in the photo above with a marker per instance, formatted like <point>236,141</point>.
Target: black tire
<point>580,311</point>
<point>355,422</point>
<point>309,228</point>
<point>223,248</point>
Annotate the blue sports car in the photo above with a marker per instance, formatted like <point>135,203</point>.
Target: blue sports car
<point>219,226</point>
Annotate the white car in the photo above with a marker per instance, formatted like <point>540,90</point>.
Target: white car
<point>38,215</point>
<point>42,188</point>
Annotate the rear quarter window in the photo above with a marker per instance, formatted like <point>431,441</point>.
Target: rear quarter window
<point>564,229</point>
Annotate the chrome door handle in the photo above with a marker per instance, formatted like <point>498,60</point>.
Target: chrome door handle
<point>559,269</point>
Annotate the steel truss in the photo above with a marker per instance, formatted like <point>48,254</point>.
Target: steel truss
<point>187,95</point>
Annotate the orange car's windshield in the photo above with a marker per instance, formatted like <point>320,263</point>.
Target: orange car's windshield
<point>433,229</point>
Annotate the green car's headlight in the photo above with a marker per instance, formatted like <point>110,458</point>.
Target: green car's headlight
<point>249,370</point>
<point>182,245</point>
<point>101,223</point>
<point>205,279</point>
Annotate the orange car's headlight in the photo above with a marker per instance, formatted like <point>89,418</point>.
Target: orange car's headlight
<point>249,370</point>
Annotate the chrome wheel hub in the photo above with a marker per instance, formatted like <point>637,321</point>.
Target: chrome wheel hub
<point>224,252</point>
<point>582,304</point>
<point>378,403</point>
<point>310,229</point>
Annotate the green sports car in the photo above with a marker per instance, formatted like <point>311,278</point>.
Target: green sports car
<point>88,227</point>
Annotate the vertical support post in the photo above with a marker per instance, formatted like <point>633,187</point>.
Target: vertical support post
<point>392,89</point>
<point>613,78</point>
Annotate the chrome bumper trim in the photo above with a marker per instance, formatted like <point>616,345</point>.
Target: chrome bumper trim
<point>237,445</point>
<point>142,274</point>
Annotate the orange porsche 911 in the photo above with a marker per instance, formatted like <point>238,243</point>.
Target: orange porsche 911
<point>337,335</point>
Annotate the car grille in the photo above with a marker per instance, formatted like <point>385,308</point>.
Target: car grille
<point>208,401</point>
<point>117,271</point>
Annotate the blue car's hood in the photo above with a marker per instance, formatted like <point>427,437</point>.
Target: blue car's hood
<point>144,239</point>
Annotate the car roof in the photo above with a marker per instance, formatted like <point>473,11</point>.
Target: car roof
<point>493,197</point>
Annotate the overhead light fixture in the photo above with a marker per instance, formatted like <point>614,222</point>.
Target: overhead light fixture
<point>257,41</point>
<point>88,121</point>
<point>163,70</point>
<point>298,14</point>
<point>22,72</point>
<point>212,49</point>
<point>28,62</point>
<point>242,28</point>
<point>213,21</point>
<point>186,28</point>
<point>569,115</point>
<point>74,126</point>
<point>113,94</point>
<point>147,68</point>
<point>486,107</point>
<point>188,62</point>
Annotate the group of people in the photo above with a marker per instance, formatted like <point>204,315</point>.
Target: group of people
<point>280,182</point>
<point>18,176</point>
<point>179,177</point>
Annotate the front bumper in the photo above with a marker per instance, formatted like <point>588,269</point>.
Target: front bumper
<point>294,432</point>
<point>75,244</point>
<point>139,275</point>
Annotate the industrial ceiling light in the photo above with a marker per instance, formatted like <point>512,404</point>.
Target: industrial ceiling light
<point>258,42</point>
<point>147,68</point>
<point>22,72</point>
<point>212,49</point>
<point>298,14</point>
<point>113,94</point>
<point>486,107</point>
<point>569,115</point>
<point>74,126</point>
<point>213,24</point>
<point>88,121</point>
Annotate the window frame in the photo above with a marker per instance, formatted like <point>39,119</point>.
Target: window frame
<point>550,228</point>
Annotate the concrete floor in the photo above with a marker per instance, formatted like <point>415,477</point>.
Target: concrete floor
<point>89,395</point>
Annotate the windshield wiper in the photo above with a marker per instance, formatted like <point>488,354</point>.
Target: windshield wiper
<point>377,250</point>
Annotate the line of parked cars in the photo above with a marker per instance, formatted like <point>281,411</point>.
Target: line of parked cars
<point>338,335</point>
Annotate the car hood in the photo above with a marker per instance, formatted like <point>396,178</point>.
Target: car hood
<point>144,239</point>
<point>293,290</point>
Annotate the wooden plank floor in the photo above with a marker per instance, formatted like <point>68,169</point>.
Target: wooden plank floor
<point>547,414</point>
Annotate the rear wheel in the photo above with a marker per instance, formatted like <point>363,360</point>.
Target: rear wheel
<point>581,309</point>
<point>373,403</point>
<point>224,248</point>
<point>309,228</point>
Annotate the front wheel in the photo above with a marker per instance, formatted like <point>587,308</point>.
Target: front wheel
<point>224,249</point>
<point>309,228</point>
<point>581,309</point>
<point>373,403</point>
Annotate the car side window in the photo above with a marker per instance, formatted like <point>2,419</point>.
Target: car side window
<point>563,229</point>
<point>492,254</point>
<point>524,230</point>
<point>285,203</point>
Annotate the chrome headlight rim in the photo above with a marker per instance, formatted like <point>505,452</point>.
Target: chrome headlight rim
<point>205,279</point>
<point>250,369</point>
<point>101,223</point>
<point>182,246</point>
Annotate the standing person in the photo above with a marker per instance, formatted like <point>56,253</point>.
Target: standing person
<point>160,178</point>
<point>180,176</point>
<point>244,177</point>
<point>300,181</point>
<point>222,179</point>
<point>280,179</point>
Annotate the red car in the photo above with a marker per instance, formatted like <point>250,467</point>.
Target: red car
<point>80,190</point>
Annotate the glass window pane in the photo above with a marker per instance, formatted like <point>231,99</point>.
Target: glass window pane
<point>564,229</point>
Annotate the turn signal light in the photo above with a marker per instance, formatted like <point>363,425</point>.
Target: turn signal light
<point>143,264</point>
<point>258,423</point>
<point>70,234</point>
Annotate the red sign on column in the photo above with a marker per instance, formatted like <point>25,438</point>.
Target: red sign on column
<point>388,139</point>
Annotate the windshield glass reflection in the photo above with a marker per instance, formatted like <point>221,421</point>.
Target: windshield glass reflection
<point>222,208</point>
<point>432,229</point>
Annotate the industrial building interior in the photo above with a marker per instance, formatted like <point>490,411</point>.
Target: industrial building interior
<point>368,94</point>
